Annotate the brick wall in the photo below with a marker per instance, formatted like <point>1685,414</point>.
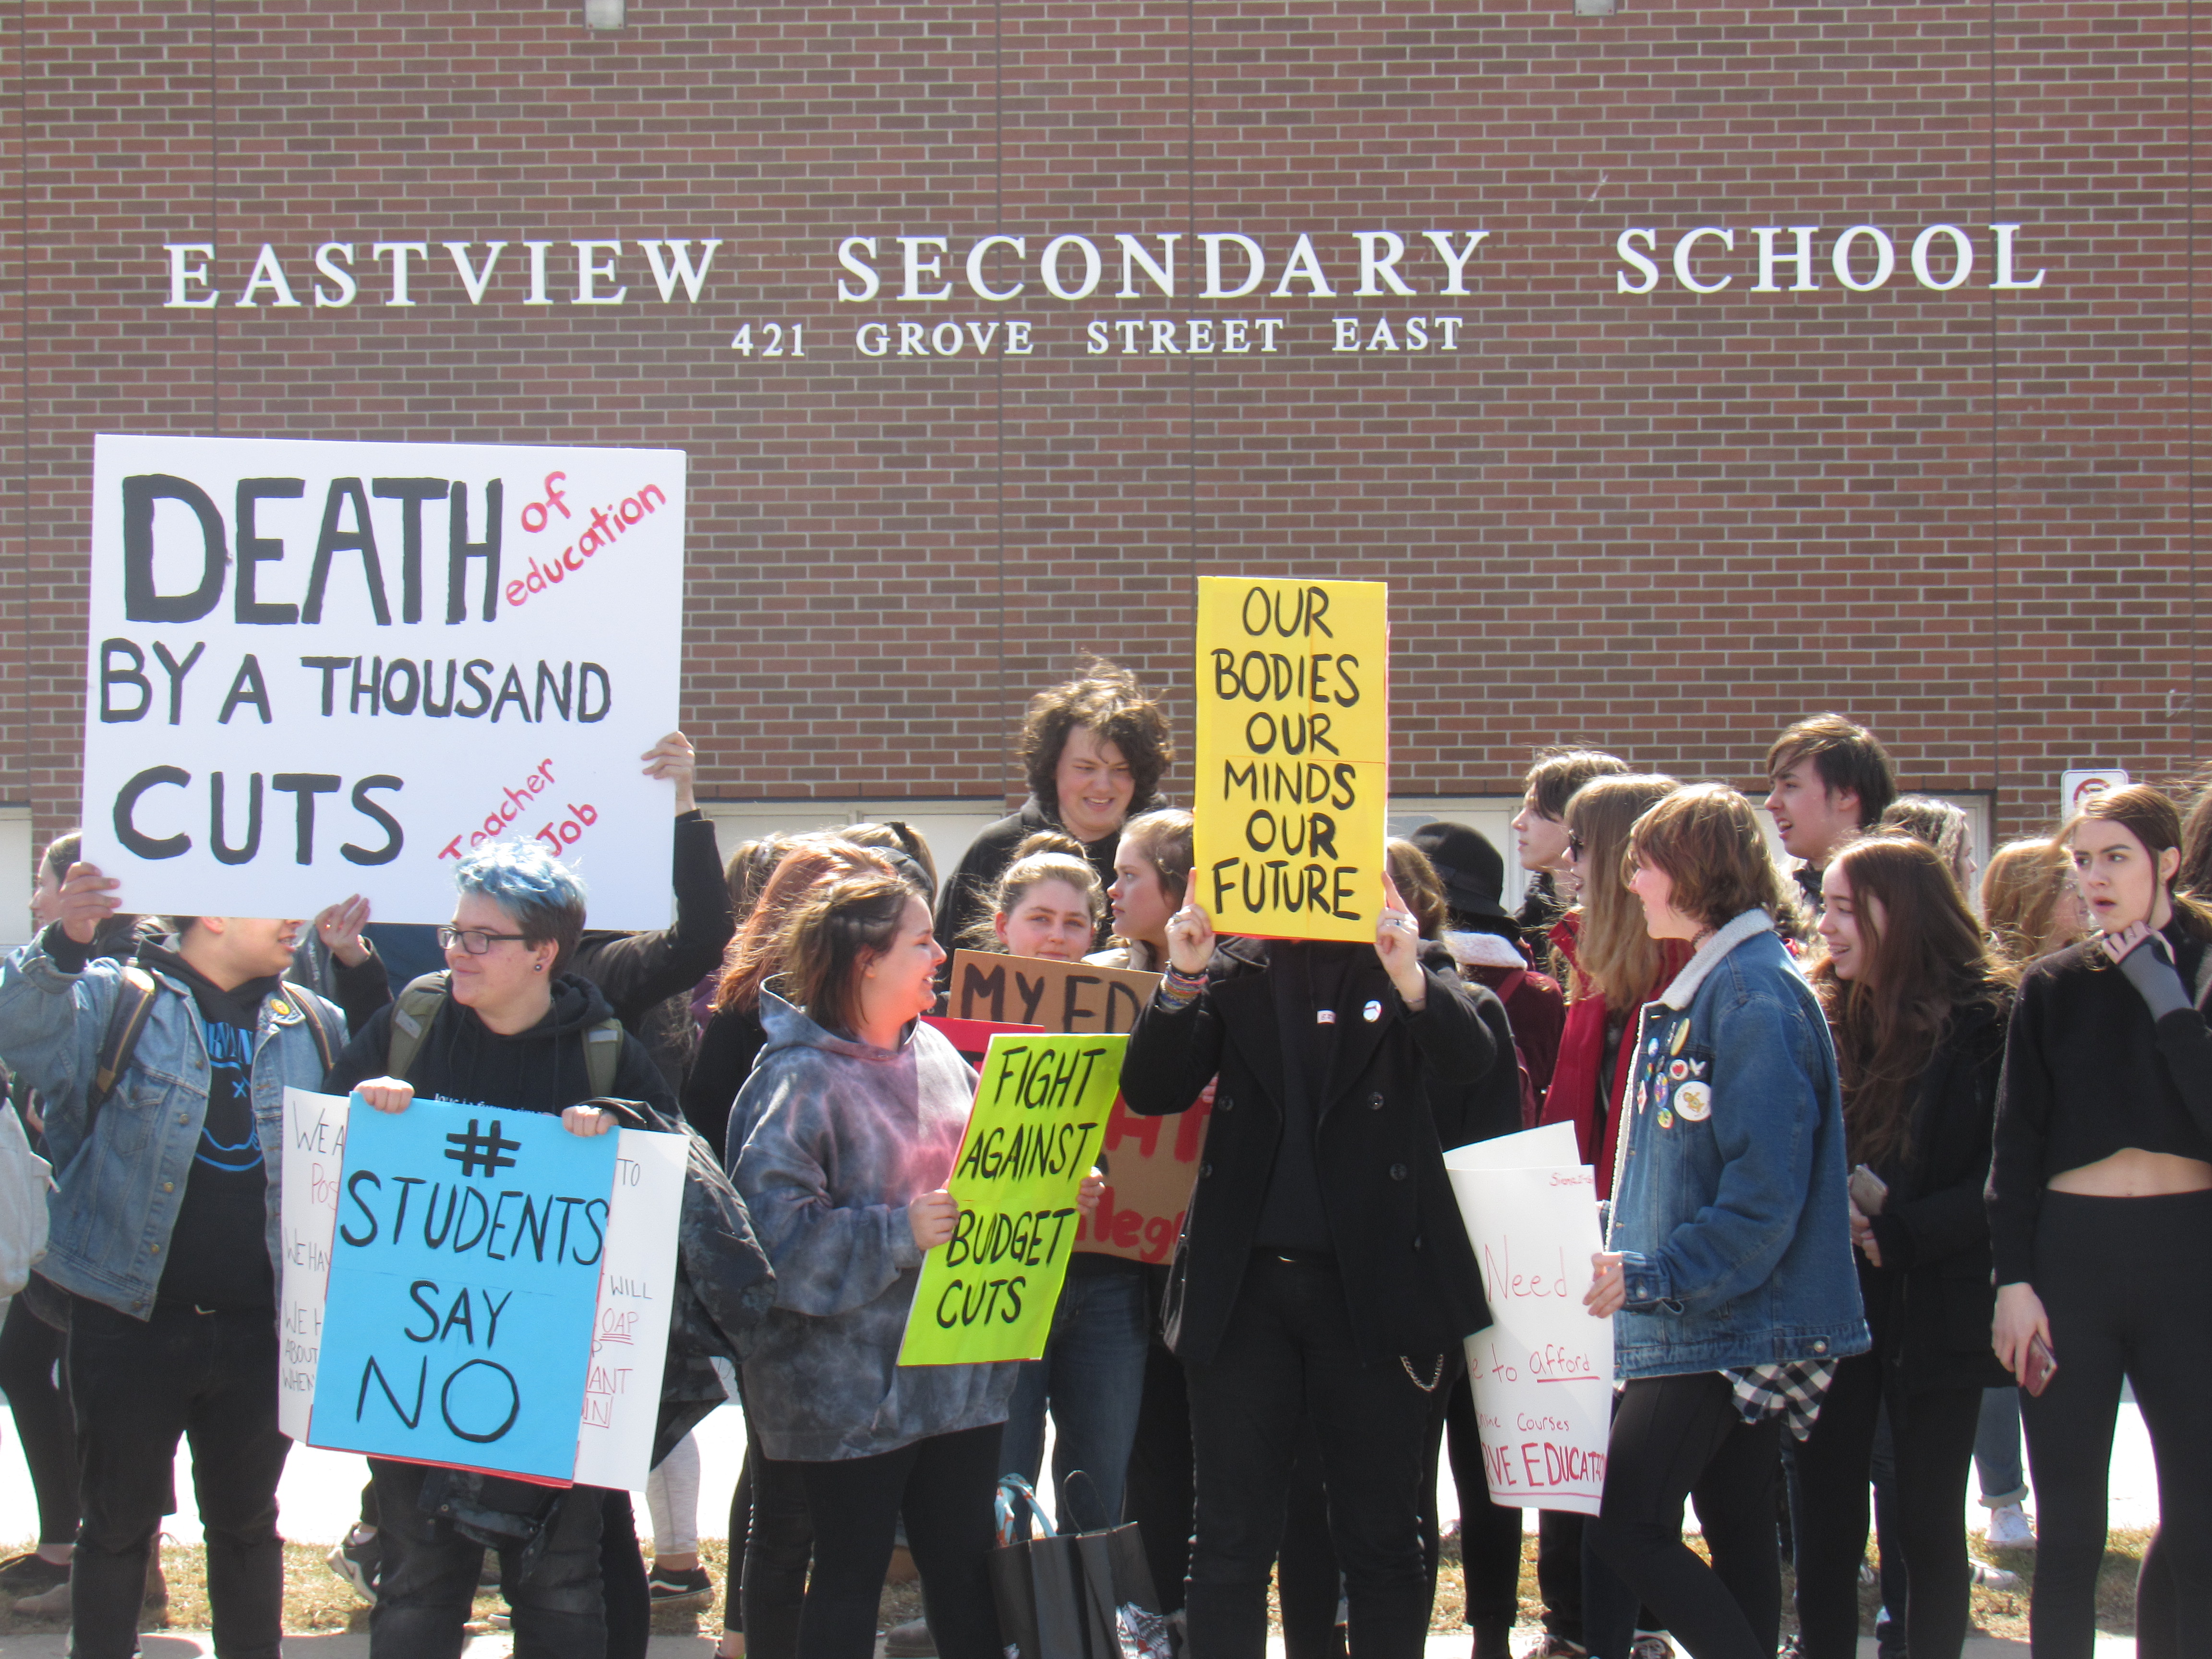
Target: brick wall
<point>1664,522</point>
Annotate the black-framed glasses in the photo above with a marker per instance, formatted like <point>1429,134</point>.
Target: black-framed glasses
<point>475,941</point>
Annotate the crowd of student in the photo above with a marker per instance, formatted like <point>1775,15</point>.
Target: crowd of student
<point>1890,1165</point>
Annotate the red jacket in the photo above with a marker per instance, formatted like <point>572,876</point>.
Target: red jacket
<point>1572,1098</point>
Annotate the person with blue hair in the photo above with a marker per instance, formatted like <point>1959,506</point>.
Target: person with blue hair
<point>510,1032</point>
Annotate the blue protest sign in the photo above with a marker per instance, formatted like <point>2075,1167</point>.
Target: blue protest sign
<point>464,1270</point>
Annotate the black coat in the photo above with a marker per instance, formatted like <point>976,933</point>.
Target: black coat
<point>1404,1089</point>
<point>966,897</point>
<point>1931,1301</point>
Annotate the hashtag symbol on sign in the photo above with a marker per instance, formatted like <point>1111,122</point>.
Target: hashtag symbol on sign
<point>479,1147</point>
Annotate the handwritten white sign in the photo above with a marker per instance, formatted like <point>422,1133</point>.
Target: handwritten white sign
<point>314,1157</point>
<point>318,668</point>
<point>1542,1371</point>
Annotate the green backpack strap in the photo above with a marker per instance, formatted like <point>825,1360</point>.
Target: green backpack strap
<point>603,1054</point>
<point>412,1011</point>
<point>135,991</point>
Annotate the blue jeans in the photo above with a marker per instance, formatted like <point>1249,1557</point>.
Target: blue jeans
<point>1092,1376</point>
<point>1996,1449</point>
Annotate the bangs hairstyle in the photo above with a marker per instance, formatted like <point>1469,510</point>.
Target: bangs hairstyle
<point>1939,825</point>
<point>1921,954</point>
<point>2021,890</point>
<point>1109,703</point>
<point>756,952</point>
<point>833,933</point>
<point>1844,756</point>
<point>1705,839</point>
<point>1046,856</point>
<point>1615,956</point>
<point>1162,840</point>
<point>543,896</point>
<point>1558,773</point>
<point>1419,885</point>
<point>2150,816</point>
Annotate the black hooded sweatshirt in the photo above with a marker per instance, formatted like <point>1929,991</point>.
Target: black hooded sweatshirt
<point>540,1070</point>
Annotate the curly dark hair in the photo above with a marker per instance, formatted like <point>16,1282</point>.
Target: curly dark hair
<point>1108,703</point>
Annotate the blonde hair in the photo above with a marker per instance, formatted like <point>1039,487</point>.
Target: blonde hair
<point>1615,956</point>
<point>1049,855</point>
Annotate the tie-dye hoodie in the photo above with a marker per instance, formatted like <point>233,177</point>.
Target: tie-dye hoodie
<point>833,1138</point>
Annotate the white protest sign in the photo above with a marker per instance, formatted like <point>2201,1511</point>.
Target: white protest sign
<point>620,1388</point>
<point>314,1157</point>
<point>1542,1371</point>
<point>622,1394</point>
<point>315,669</point>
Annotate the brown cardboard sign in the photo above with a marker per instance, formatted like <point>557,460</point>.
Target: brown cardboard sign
<point>1150,1162</point>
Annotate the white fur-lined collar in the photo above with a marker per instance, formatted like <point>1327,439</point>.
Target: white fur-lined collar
<point>1472,949</point>
<point>1750,924</point>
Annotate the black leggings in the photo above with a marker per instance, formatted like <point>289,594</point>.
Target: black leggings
<point>30,1349</point>
<point>942,1485</point>
<point>1673,1436</point>
<point>1933,1436</point>
<point>2123,1282</point>
<point>778,1546</point>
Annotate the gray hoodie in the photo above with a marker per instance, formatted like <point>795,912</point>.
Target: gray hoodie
<point>838,1137</point>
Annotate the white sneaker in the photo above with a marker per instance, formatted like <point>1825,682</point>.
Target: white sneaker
<point>2009,1528</point>
<point>1995,1578</point>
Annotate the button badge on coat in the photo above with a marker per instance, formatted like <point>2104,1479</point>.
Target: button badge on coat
<point>1682,1036</point>
<point>1371,1012</point>
<point>1695,1101</point>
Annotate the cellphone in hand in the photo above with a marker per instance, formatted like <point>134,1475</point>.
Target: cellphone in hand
<point>1868,1190</point>
<point>2038,1367</point>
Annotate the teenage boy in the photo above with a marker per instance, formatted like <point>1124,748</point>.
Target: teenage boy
<point>1830,782</point>
<point>164,1235</point>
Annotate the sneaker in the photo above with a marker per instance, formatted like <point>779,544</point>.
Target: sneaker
<point>1651,1645</point>
<point>683,1587</point>
<point>911,1640</point>
<point>356,1560</point>
<point>53,1603</point>
<point>1995,1578</point>
<point>2010,1529</point>
<point>30,1574</point>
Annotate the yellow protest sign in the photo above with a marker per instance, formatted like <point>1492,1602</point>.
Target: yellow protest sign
<point>1041,1110</point>
<point>1294,755</point>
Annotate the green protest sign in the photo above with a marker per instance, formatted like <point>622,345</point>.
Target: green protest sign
<point>1041,1109</point>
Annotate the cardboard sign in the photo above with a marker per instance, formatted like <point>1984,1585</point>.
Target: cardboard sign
<point>988,1294</point>
<point>1542,1371</point>
<point>1151,1162</point>
<point>315,669</point>
<point>1293,770</point>
<point>475,1287</point>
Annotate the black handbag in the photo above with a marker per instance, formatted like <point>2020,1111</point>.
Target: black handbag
<point>1071,1594</point>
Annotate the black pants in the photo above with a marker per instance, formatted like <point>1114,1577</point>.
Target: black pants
<point>1158,1494</point>
<point>942,1485</point>
<point>623,1583</point>
<point>1673,1436</point>
<point>1490,1539</point>
<point>1286,1355</point>
<point>136,1387</point>
<point>30,1350</point>
<point>1934,1436</point>
<point>430,1573</point>
<point>2120,1278</point>
<point>779,1545</point>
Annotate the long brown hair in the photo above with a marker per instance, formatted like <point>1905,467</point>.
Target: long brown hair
<point>2150,816</point>
<point>2021,890</point>
<point>756,953</point>
<point>1921,954</point>
<point>836,929</point>
<point>1615,956</point>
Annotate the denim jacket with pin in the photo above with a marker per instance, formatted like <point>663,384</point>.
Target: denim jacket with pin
<point>118,1192</point>
<point>1731,1197</point>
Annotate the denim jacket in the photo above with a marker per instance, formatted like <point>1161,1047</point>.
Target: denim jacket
<point>117,1193</point>
<point>1729,1200</point>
